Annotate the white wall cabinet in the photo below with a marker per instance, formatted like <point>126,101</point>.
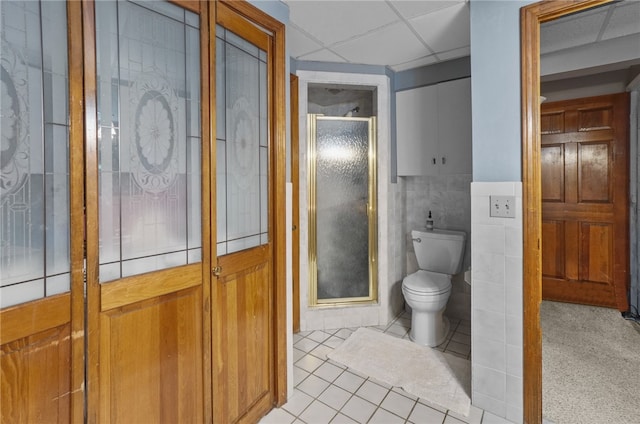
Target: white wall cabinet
<point>434,129</point>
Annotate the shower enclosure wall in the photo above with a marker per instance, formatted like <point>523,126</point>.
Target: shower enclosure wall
<point>317,93</point>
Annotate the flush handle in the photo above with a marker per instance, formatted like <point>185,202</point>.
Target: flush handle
<point>419,240</point>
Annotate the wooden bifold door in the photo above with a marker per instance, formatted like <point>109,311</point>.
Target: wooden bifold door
<point>585,172</point>
<point>142,262</point>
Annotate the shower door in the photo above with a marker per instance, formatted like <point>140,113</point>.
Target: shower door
<point>342,210</point>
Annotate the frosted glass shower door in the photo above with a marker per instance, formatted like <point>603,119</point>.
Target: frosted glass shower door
<point>342,212</point>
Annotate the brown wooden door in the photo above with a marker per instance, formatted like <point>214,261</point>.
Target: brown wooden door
<point>41,229</point>
<point>584,159</point>
<point>244,293</point>
<point>147,179</point>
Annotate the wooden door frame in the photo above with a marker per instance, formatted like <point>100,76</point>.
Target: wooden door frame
<point>278,122</point>
<point>530,19</point>
<point>76,206</point>
<point>295,201</point>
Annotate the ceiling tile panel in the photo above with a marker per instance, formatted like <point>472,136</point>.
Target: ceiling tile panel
<point>625,20</point>
<point>389,45</point>
<point>299,43</point>
<point>445,29</point>
<point>572,31</point>
<point>335,21</point>
<point>411,9</point>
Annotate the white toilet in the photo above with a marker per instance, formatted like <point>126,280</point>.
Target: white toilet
<point>440,254</point>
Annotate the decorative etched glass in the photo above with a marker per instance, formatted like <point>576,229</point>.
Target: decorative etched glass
<point>342,187</point>
<point>149,137</point>
<point>34,169</point>
<point>242,144</point>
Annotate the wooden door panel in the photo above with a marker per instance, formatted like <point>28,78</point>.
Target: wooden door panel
<point>584,157</point>
<point>155,345</point>
<point>597,118</point>
<point>148,211</point>
<point>553,259</point>
<point>596,252</point>
<point>552,176</point>
<point>552,123</point>
<point>148,286</point>
<point>248,365</point>
<point>594,172</point>
<point>573,291</point>
<point>35,361</point>
<point>244,357</point>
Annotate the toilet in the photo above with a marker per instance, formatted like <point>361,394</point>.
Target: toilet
<point>440,255</point>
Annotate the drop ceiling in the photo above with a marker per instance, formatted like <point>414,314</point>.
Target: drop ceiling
<point>405,34</point>
<point>398,34</point>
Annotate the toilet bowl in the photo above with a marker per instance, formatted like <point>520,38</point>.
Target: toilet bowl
<point>426,291</point>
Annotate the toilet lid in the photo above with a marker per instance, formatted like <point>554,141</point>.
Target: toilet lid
<point>427,282</point>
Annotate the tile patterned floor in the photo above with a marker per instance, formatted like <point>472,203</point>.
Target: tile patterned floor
<point>327,392</point>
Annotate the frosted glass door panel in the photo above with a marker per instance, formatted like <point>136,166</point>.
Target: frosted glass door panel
<point>149,137</point>
<point>34,179</point>
<point>342,196</point>
<point>242,144</point>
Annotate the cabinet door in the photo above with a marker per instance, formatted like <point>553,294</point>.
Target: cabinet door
<point>454,126</point>
<point>417,131</point>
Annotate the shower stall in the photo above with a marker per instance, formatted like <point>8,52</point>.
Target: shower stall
<point>342,185</point>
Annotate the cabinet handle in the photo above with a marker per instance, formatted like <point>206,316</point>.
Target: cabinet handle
<point>444,160</point>
<point>434,161</point>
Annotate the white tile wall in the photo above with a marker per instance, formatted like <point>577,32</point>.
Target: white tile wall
<point>496,330</point>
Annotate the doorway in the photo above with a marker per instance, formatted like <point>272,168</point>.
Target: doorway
<point>249,168</point>
<point>530,19</point>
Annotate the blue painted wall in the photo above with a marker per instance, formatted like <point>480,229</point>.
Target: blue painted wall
<point>495,89</point>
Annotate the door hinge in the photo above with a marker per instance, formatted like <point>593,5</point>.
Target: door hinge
<point>216,271</point>
<point>84,275</point>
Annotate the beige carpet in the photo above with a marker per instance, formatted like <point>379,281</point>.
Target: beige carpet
<point>440,378</point>
<point>590,365</point>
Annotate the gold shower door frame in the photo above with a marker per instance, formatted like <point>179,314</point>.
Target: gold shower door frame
<point>372,214</point>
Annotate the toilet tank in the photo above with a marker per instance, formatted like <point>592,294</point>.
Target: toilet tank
<point>439,250</point>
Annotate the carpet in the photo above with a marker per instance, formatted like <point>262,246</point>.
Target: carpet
<point>437,377</point>
<point>590,365</point>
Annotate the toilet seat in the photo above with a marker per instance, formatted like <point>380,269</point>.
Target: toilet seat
<point>427,283</point>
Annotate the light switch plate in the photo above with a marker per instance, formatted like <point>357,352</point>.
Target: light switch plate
<point>503,206</point>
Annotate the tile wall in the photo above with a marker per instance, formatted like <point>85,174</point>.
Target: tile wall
<point>496,289</point>
<point>448,197</point>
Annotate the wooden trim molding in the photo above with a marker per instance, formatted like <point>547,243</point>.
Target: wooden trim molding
<point>530,19</point>
<point>91,207</point>
<point>295,203</point>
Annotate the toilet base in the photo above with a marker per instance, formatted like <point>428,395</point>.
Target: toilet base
<point>436,332</point>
